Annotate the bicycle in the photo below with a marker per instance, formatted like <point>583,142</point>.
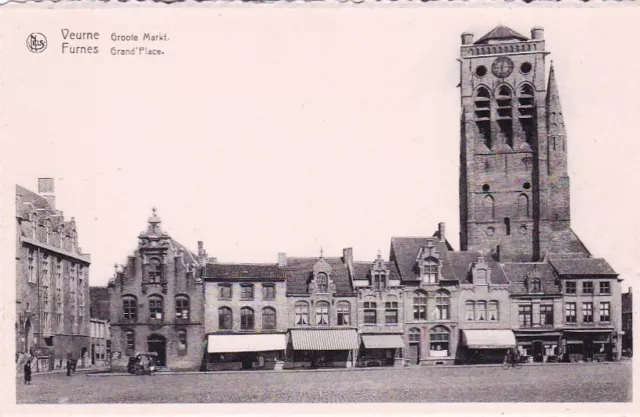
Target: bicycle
<point>514,363</point>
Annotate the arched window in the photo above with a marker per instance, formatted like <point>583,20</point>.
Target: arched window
<point>493,313</point>
<point>391,310</point>
<point>439,341</point>
<point>154,270</point>
<point>302,313</point>
<point>130,341</point>
<point>419,305</point>
<point>322,282</point>
<point>481,311</point>
<point>489,207</point>
<point>129,308</point>
<point>268,318</point>
<point>430,270</point>
<point>505,114</point>
<point>344,313</point>
<point>182,307</point>
<point>483,115</point>
<point>442,305</point>
<point>379,280</point>
<point>414,335</point>
<point>247,319</point>
<point>523,206</point>
<point>156,308</point>
<point>470,310</point>
<point>322,313</point>
<point>182,341</point>
<point>225,318</point>
<point>370,311</point>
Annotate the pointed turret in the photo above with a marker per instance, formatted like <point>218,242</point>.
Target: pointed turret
<point>559,193</point>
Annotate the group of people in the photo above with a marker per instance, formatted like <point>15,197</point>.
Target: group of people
<point>71,368</point>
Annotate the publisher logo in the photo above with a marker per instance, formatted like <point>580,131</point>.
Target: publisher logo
<point>36,43</point>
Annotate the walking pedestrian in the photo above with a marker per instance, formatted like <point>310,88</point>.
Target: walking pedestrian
<point>27,372</point>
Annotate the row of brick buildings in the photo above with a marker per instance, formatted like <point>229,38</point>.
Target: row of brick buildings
<point>521,280</point>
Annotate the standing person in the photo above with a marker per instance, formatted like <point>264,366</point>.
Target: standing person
<point>27,372</point>
<point>69,365</point>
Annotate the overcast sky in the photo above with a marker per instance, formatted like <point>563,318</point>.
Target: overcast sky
<point>289,131</point>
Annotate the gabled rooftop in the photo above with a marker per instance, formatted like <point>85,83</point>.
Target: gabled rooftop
<point>501,33</point>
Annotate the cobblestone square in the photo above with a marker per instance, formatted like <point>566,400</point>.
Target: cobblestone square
<point>605,382</point>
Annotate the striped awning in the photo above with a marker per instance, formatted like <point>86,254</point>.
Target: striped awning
<point>325,339</point>
<point>382,341</point>
<point>229,343</point>
<point>488,339</point>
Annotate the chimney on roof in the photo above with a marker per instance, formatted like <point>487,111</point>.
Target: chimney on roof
<point>347,254</point>
<point>200,248</point>
<point>282,259</point>
<point>467,38</point>
<point>441,229</point>
<point>45,189</point>
<point>537,33</point>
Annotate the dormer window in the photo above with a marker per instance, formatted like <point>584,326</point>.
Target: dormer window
<point>481,277</point>
<point>430,270</point>
<point>535,285</point>
<point>379,280</point>
<point>322,282</point>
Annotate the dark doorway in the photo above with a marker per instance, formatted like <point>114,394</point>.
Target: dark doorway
<point>538,351</point>
<point>588,350</point>
<point>158,344</point>
<point>93,354</point>
<point>414,353</point>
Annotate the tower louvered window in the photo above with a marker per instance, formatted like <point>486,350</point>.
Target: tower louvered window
<point>505,113</point>
<point>525,112</point>
<point>483,115</point>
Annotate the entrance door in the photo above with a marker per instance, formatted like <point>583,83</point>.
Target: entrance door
<point>588,350</point>
<point>538,351</point>
<point>158,344</point>
<point>93,354</point>
<point>414,353</point>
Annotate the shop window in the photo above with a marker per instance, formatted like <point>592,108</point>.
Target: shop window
<point>546,315</point>
<point>322,282</point>
<point>570,315</point>
<point>129,308</point>
<point>587,312</point>
<point>225,291</point>
<point>225,318</point>
<point>322,313</point>
<point>605,287</point>
<point>344,313</point>
<point>154,270</point>
<point>439,341</point>
<point>268,291</point>
<point>268,318</point>
<point>481,311</point>
<point>391,312</point>
<point>247,321</point>
<point>442,305</point>
<point>587,287</point>
<point>524,315</point>
<point>156,309</point>
<point>246,292</point>
<point>302,313</point>
<point>493,311</point>
<point>419,305</point>
<point>130,341</point>
<point>370,312</point>
<point>182,341</point>
<point>470,310</point>
<point>605,311</point>
<point>570,287</point>
<point>182,307</point>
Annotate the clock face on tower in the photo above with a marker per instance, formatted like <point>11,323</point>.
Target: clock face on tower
<point>502,67</point>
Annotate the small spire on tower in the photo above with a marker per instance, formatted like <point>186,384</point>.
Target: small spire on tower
<point>321,252</point>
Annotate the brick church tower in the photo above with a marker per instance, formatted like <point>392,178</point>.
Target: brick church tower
<point>514,185</point>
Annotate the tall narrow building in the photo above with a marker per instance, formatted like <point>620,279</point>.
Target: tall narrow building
<point>514,185</point>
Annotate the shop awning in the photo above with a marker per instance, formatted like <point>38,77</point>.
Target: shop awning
<point>588,330</point>
<point>218,343</point>
<point>382,341</point>
<point>539,334</point>
<point>325,339</point>
<point>488,339</point>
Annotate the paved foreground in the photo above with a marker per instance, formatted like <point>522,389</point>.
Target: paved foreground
<point>552,383</point>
